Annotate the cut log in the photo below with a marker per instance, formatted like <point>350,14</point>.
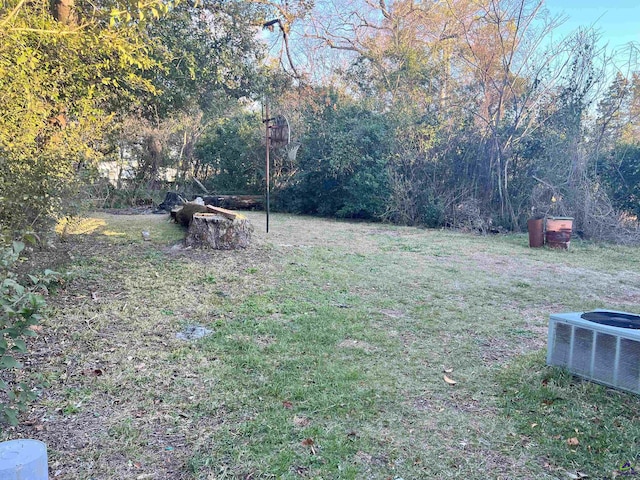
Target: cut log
<point>212,230</point>
<point>236,202</point>
<point>222,211</point>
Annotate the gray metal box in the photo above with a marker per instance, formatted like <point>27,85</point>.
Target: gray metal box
<point>602,353</point>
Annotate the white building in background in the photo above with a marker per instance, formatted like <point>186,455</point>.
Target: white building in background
<point>113,170</point>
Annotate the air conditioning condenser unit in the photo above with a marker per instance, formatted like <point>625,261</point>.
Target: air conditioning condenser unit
<point>602,346</point>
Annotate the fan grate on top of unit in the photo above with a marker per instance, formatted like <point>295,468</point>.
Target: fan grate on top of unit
<point>602,346</point>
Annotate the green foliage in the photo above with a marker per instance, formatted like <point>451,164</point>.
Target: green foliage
<point>412,135</point>
<point>21,306</point>
<point>59,82</point>
<point>67,83</point>
<point>343,162</point>
<point>621,175</point>
<point>425,172</point>
<point>231,155</point>
<point>207,49</point>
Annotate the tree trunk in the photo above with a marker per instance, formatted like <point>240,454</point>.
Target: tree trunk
<point>64,11</point>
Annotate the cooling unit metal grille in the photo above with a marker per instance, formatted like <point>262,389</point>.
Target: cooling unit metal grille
<point>602,353</point>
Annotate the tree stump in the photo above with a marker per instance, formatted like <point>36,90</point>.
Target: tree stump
<point>214,230</point>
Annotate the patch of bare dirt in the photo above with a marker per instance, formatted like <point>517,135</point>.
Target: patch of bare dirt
<point>358,344</point>
<point>629,297</point>
<point>500,466</point>
<point>389,233</point>
<point>504,265</point>
<point>36,260</point>
<point>423,404</point>
<point>264,341</point>
<point>301,421</point>
<point>497,350</point>
<point>392,313</point>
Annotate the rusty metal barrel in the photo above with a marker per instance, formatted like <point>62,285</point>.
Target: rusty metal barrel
<point>558,232</point>
<point>535,227</point>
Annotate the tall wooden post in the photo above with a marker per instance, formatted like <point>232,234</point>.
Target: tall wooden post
<point>267,141</point>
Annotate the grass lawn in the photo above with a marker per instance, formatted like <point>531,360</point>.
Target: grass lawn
<point>329,347</point>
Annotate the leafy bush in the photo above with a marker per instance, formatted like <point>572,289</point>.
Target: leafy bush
<point>231,156</point>
<point>621,175</point>
<point>21,307</point>
<point>343,164</point>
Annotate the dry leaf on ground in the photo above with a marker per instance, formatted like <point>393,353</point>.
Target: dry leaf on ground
<point>308,442</point>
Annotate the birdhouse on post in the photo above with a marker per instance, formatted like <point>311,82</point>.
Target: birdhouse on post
<point>277,134</point>
<point>280,133</point>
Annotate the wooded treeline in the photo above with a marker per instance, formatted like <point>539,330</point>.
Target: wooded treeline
<point>462,113</point>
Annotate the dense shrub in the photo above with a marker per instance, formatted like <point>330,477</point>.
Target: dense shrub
<point>21,303</point>
<point>231,156</point>
<point>621,176</point>
<point>342,164</point>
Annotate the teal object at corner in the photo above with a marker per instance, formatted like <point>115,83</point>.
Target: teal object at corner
<point>23,460</point>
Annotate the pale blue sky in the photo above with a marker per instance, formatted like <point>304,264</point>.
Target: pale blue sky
<point>617,20</point>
